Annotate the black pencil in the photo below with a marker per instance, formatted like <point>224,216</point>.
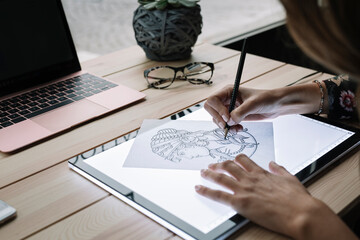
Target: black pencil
<point>236,84</point>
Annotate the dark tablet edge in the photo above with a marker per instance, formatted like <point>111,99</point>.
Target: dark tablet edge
<point>335,154</point>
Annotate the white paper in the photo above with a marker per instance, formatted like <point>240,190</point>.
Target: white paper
<point>193,145</point>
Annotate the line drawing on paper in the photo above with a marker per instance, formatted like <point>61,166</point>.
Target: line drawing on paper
<point>177,145</point>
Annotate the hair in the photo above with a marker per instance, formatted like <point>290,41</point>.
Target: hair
<point>327,31</point>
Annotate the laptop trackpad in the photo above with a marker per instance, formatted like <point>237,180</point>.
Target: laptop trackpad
<point>69,115</point>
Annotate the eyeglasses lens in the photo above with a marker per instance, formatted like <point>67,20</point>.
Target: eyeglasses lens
<point>198,73</point>
<point>161,77</point>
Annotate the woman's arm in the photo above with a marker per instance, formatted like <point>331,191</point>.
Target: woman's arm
<point>255,104</point>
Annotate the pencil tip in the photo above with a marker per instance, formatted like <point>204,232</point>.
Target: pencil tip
<point>226,132</point>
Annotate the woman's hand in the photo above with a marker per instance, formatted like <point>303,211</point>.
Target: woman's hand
<point>271,200</point>
<point>251,102</point>
<point>255,104</point>
<point>277,200</point>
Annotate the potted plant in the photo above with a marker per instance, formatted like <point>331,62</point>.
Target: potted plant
<point>167,29</point>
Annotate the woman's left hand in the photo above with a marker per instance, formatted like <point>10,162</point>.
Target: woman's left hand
<point>274,200</point>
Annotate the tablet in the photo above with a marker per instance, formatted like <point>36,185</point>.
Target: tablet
<point>304,145</point>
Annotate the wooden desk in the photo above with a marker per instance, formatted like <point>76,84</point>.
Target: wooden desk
<point>54,202</point>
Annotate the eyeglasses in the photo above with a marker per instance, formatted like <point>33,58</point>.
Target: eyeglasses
<point>163,76</point>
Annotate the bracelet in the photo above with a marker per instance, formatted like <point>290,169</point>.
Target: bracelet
<point>322,97</point>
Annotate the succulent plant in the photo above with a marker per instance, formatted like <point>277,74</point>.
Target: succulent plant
<point>162,4</point>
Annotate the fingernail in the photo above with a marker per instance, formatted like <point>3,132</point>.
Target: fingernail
<point>197,187</point>
<point>221,125</point>
<point>202,171</point>
<point>211,165</point>
<point>231,122</point>
<point>225,118</point>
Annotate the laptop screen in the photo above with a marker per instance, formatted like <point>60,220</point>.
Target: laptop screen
<point>35,44</point>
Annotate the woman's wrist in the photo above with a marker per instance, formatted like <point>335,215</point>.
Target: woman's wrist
<point>304,223</point>
<point>318,221</point>
<point>301,99</point>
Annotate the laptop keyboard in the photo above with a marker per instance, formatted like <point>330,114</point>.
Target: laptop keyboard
<point>42,100</point>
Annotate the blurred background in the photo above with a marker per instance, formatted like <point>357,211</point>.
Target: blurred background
<point>103,26</point>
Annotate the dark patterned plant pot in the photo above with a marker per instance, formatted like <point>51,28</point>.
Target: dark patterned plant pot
<point>168,34</point>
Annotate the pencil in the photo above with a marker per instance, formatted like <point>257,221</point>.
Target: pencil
<point>236,84</point>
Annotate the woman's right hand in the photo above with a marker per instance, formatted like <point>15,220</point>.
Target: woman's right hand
<point>254,104</point>
<point>251,104</point>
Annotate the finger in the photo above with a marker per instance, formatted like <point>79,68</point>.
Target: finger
<point>220,124</point>
<point>256,117</point>
<point>218,119</point>
<point>247,163</point>
<point>215,195</point>
<point>231,122</point>
<point>236,128</point>
<point>277,169</point>
<point>243,111</point>
<point>219,178</point>
<point>219,107</point>
<point>230,167</point>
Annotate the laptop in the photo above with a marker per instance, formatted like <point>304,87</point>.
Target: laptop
<point>43,90</point>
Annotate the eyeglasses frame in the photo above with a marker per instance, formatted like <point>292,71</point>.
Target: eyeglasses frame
<point>180,69</point>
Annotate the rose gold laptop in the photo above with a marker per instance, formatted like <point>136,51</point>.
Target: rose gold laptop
<point>42,88</point>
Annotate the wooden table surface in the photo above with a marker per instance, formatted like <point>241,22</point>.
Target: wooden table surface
<point>53,202</point>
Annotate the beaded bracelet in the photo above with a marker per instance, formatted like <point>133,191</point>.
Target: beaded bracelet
<point>322,97</point>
